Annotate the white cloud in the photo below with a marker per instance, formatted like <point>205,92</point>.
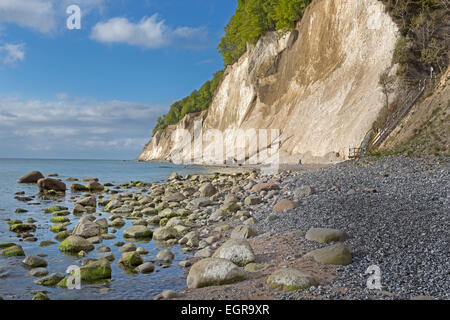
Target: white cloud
<point>149,32</point>
<point>42,15</point>
<point>73,127</point>
<point>11,54</point>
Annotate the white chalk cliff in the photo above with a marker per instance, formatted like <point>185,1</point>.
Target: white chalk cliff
<point>318,84</point>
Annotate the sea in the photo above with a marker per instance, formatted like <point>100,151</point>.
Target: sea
<point>17,284</point>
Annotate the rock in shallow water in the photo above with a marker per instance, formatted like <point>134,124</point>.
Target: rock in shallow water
<point>137,232</point>
<point>75,244</point>
<point>31,177</point>
<point>35,262</point>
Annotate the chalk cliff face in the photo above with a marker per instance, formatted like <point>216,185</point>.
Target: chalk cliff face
<point>318,84</point>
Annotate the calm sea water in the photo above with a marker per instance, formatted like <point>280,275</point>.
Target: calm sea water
<point>15,283</point>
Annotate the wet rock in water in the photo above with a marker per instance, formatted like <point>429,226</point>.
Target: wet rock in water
<point>243,232</point>
<point>50,280</point>
<point>48,184</point>
<point>21,227</point>
<point>167,294</point>
<point>291,279</point>
<point>131,259</point>
<point>54,209</point>
<point>337,254</point>
<point>19,210</point>
<point>38,272</point>
<point>113,204</point>
<point>174,176</point>
<point>60,236</point>
<point>213,272</point>
<point>207,190</point>
<point>31,177</point>
<point>118,223</point>
<point>142,251</point>
<point>147,267</point>
<point>285,205</point>
<point>78,188</point>
<point>35,262</point>
<point>86,228</point>
<point>58,228</point>
<point>96,271</point>
<point>75,244</point>
<point>46,243</point>
<point>137,232</point>
<point>303,191</point>
<point>94,186</point>
<point>325,235</point>
<point>237,251</point>
<point>95,240</point>
<point>88,202</point>
<point>41,296</point>
<point>11,250</point>
<point>59,220</point>
<point>129,247</point>
<point>185,264</point>
<point>165,255</point>
<point>103,248</point>
<point>164,233</point>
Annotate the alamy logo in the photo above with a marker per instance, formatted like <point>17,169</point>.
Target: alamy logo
<point>232,146</point>
<point>374,280</point>
<point>74,20</point>
<point>74,278</point>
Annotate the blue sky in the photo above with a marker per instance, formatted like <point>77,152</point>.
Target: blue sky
<point>96,92</point>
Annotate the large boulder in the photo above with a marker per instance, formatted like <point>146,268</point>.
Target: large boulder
<point>31,177</point>
<point>290,279</point>
<point>325,235</point>
<point>137,232</point>
<point>337,254</point>
<point>237,251</point>
<point>165,233</point>
<point>48,184</point>
<point>75,244</point>
<point>213,272</point>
